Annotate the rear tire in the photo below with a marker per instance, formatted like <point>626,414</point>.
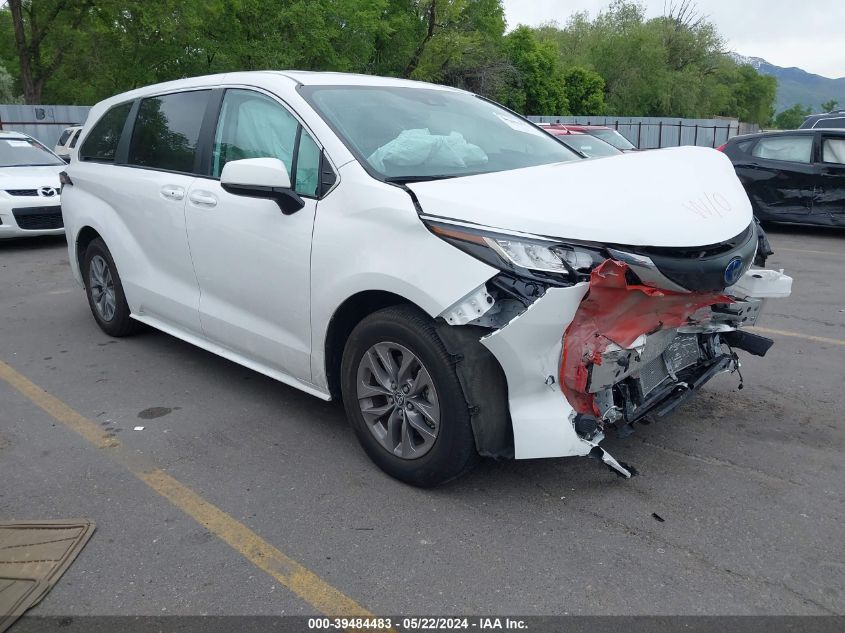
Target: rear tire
<point>105,291</point>
<point>388,407</point>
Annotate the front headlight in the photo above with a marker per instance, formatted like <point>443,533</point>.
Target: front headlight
<point>535,257</point>
<point>551,258</point>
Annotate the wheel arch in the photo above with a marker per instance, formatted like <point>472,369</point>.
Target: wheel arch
<point>84,237</point>
<point>480,374</point>
<point>349,314</point>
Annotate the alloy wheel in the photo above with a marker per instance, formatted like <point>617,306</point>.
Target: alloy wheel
<point>398,400</point>
<point>102,287</point>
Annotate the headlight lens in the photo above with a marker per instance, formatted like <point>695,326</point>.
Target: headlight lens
<point>546,258</point>
<point>568,261</point>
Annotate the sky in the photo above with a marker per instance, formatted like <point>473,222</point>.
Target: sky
<point>808,34</point>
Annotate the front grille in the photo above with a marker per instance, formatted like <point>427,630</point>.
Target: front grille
<point>705,269</point>
<point>22,192</point>
<point>700,252</point>
<point>39,218</point>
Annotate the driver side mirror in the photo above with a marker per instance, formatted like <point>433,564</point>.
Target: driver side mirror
<point>261,178</point>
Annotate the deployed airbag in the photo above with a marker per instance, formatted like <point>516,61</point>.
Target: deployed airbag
<point>420,147</point>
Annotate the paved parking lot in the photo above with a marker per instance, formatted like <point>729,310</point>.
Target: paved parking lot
<point>243,496</point>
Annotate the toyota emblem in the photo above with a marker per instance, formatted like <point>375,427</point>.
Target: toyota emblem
<point>733,271</point>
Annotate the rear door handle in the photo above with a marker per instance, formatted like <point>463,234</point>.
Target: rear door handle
<point>203,199</point>
<point>172,192</point>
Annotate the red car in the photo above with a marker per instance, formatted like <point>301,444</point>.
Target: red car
<point>608,135</point>
<point>585,144</point>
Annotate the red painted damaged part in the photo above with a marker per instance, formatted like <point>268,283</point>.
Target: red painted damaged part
<point>613,311</point>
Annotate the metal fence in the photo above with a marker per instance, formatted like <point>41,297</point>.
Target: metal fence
<point>653,132</point>
<point>43,122</point>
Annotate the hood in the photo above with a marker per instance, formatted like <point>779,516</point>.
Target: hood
<point>682,196</point>
<point>30,177</point>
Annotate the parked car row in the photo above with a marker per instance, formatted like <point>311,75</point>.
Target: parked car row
<point>587,145</point>
<point>465,282</point>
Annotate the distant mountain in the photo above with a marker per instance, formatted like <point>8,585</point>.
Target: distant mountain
<point>798,86</point>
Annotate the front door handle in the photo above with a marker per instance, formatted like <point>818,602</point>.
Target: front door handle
<point>203,198</point>
<point>172,192</point>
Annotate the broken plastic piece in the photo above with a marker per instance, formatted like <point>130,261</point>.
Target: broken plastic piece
<point>620,468</point>
<point>470,308</point>
<point>762,284</point>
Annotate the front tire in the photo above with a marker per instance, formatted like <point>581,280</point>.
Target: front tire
<point>105,291</point>
<point>403,398</point>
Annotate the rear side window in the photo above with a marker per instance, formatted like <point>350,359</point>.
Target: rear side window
<point>167,130</point>
<point>793,149</point>
<point>833,151</point>
<point>101,142</point>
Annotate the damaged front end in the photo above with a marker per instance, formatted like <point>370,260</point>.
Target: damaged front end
<point>615,336</point>
<point>634,350</point>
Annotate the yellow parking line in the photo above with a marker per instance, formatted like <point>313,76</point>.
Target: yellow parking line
<point>801,250</point>
<point>807,337</point>
<point>57,409</point>
<point>300,580</point>
<point>288,572</point>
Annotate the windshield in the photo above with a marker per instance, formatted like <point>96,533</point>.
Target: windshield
<point>614,138</point>
<point>25,152</point>
<point>408,134</point>
<point>589,146</point>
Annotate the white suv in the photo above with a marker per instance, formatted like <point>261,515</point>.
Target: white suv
<point>463,281</point>
<point>29,188</point>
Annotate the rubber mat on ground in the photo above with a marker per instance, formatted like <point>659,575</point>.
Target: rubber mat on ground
<point>33,556</point>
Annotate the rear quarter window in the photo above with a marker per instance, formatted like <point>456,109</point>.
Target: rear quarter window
<point>745,146</point>
<point>832,123</point>
<point>791,149</point>
<point>101,142</point>
<point>167,131</point>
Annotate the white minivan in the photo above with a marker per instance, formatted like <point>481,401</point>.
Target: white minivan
<point>464,282</point>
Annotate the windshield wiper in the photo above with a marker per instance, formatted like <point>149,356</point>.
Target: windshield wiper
<point>406,179</point>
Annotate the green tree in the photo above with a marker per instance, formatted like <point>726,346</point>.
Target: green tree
<point>7,87</point>
<point>742,92</point>
<point>792,117</point>
<point>538,88</point>
<point>672,65</point>
<point>830,105</point>
<point>584,91</point>
<point>465,46</point>
<point>43,31</point>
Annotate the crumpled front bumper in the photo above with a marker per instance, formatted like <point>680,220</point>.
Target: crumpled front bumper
<point>552,351</point>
